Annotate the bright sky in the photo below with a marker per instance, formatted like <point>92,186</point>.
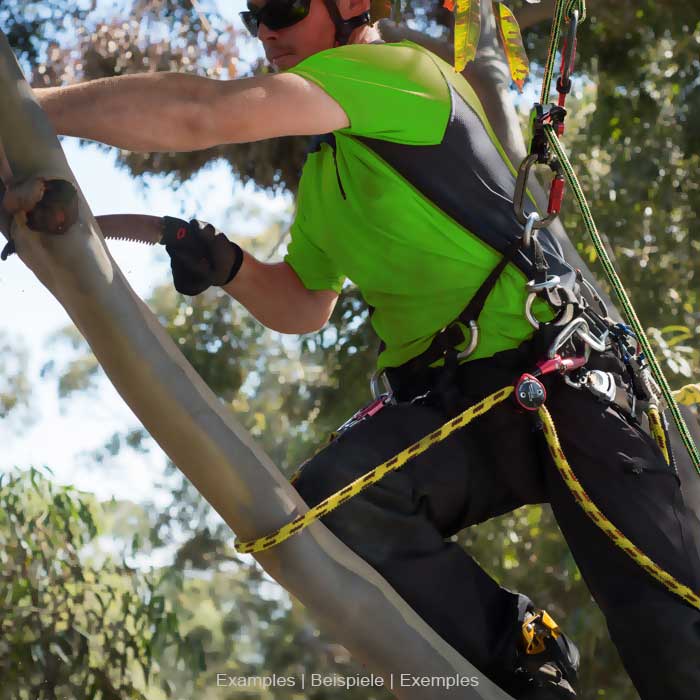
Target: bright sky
<point>59,434</point>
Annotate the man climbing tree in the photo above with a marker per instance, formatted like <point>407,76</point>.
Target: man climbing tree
<point>407,192</point>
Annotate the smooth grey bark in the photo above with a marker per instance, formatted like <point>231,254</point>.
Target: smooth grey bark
<point>351,601</point>
<point>489,75</point>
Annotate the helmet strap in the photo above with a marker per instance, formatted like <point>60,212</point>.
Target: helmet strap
<point>344,27</point>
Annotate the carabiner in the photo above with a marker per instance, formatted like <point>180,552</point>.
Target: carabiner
<point>580,329</point>
<point>380,375</point>
<point>566,334</point>
<point>519,196</point>
<point>568,58</point>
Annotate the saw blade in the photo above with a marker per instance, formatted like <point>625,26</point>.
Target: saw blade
<point>141,228</point>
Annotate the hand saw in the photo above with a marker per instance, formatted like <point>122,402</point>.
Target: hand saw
<point>142,228</point>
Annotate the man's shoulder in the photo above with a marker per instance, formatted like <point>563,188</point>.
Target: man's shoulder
<point>379,71</point>
<point>405,59</point>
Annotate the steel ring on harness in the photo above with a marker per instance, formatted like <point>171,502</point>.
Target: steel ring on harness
<point>473,341</point>
<point>564,315</point>
<point>519,195</point>
<point>551,282</point>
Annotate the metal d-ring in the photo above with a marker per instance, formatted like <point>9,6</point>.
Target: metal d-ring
<point>561,320</point>
<point>528,311</point>
<point>473,341</point>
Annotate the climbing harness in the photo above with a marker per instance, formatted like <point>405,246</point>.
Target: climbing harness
<point>548,130</point>
<point>580,330</point>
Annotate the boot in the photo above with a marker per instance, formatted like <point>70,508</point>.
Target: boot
<point>547,661</point>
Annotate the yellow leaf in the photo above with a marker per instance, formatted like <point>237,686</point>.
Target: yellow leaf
<point>260,423</point>
<point>467,31</point>
<point>512,45</point>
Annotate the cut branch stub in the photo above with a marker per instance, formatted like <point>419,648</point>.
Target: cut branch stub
<point>50,206</point>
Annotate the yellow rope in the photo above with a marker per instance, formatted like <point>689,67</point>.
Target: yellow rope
<point>602,522</point>
<point>396,462</point>
<point>687,395</point>
<point>658,432</point>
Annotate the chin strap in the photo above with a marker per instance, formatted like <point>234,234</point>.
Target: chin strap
<point>344,27</point>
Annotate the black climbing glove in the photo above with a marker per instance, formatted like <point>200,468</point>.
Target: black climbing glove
<point>200,256</point>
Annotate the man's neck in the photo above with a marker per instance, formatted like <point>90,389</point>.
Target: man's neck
<point>367,34</point>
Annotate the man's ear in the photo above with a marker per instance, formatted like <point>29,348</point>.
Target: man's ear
<point>352,8</point>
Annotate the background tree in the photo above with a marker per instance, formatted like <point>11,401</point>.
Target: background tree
<point>74,622</point>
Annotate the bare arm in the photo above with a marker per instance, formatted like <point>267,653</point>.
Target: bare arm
<point>160,112</point>
<point>274,294</point>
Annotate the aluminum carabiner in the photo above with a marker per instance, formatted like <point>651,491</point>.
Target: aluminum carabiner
<point>568,57</point>
<point>519,195</point>
<point>380,376</point>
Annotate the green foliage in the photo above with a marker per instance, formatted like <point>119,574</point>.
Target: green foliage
<point>74,623</point>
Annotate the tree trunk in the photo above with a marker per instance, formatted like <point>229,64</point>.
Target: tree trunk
<point>351,601</point>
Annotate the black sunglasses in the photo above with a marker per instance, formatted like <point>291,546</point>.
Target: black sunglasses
<point>275,14</point>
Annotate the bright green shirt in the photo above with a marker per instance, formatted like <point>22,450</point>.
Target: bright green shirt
<point>412,201</point>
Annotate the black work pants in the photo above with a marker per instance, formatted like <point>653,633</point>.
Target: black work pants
<point>402,524</point>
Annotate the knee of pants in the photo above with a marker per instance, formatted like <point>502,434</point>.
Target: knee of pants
<point>379,523</point>
<point>351,456</point>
